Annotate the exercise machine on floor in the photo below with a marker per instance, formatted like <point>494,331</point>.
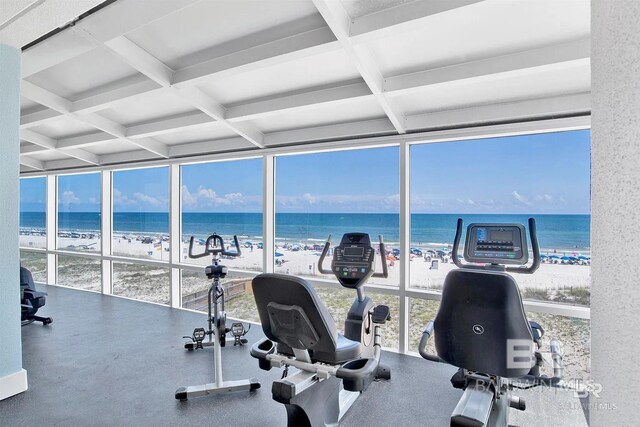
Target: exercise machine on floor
<point>31,300</point>
<point>332,369</point>
<point>482,329</point>
<point>217,318</point>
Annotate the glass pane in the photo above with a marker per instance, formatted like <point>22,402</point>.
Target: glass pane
<point>573,333</point>
<point>421,312</point>
<point>141,282</point>
<point>224,198</point>
<point>141,213</point>
<point>509,179</point>
<point>338,302</point>
<point>33,212</point>
<point>36,263</point>
<point>335,193</point>
<point>239,301</point>
<point>82,273</point>
<point>79,212</point>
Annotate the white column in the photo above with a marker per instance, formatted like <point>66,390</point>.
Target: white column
<point>13,379</point>
<point>615,210</point>
<point>405,243</point>
<point>175,235</point>
<point>268,212</point>
<point>52,228</point>
<point>106,231</point>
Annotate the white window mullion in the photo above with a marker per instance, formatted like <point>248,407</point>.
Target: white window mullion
<point>175,235</point>
<point>268,212</point>
<point>405,243</point>
<point>52,228</point>
<point>106,230</point>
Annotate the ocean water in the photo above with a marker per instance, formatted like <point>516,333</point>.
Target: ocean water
<point>554,231</point>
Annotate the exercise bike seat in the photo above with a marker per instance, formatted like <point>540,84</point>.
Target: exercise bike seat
<point>294,317</point>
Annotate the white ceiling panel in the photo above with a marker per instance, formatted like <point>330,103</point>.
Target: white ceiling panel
<point>573,77</point>
<point>326,68</point>
<point>28,106</point>
<point>358,8</point>
<point>177,37</point>
<point>361,109</point>
<point>64,127</point>
<point>85,73</point>
<point>46,156</point>
<point>147,107</point>
<point>110,147</point>
<point>481,30</point>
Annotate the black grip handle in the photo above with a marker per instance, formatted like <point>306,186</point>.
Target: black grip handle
<point>323,255</point>
<point>194,256</point>
<point>456,244</point>
<point>225,252</point>
<point>422,347</point>
<point>383,256</point>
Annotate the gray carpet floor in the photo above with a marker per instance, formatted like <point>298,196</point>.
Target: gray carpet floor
<point>107,361</point>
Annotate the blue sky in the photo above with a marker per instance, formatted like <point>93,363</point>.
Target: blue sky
<point>536,174</point>
<point>141,190</point>
<point>79,193</point>
<point>222,186</point>
<point>33,195</point>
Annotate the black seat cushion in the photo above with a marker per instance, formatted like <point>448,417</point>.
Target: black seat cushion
<point>292,313</point>
<point>480,313</point>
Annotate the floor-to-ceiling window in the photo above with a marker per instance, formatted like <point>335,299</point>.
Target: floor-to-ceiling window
<point>33,212</point>
<point>508,180</point>
<point>224,198</point>
<point>141,213</point>
<point>79,221</point>
<point>333,193</point>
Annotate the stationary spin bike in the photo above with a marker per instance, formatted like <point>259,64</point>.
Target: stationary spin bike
<point>481,326</point>
<point>332,369</point>
<point>217,317</point>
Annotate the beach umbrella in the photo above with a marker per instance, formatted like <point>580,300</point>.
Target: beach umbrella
<point>554,256</point>
<point>278,254</point>
<point>584,258</point>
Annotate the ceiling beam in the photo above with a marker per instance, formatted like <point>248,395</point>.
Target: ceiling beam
<point>299,101</point>
<point>31,162</point>
<point>545,56</point>
<point>557,106</point>
<point>401,18</point>
<point>339,21</point>
<point>290,48</point>
<point>330,132</point>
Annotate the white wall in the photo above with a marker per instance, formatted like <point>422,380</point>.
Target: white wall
<point>615,302</point>
<point>13,379</point>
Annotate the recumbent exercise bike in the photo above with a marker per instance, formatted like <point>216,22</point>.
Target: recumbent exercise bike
<point>481,326</point>
<point>333,369</point>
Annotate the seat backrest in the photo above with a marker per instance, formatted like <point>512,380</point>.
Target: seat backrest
<point>292,313</point>
<point>26,280</point>
<point>480,316</point>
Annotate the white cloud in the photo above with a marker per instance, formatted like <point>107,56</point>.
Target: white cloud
<point>69,198</point>
<point>309,198</point>
<point>520,198</point>
<point>145,198</point>
<point>207,197</point>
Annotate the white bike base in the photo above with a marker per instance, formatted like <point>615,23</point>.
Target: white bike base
<point>184,393</point>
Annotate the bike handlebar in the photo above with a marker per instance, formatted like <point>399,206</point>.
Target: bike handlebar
<point>214,245</point>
